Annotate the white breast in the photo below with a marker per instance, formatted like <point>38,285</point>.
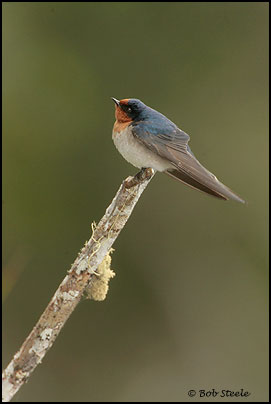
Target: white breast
<point>136,153</point>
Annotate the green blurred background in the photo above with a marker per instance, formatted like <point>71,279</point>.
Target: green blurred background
<point>188,306</point>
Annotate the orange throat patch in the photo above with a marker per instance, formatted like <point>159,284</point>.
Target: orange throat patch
<point>122,119</point>
<point>121,116</point>
<point>120,126</point>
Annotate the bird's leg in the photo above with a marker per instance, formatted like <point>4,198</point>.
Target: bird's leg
<point>142,175</point>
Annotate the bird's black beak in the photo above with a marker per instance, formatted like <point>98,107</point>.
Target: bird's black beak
<point>116,101</point>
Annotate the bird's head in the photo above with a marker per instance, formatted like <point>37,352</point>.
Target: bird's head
<point>129,109</point>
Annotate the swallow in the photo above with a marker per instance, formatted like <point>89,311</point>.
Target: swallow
<point>148,139</point>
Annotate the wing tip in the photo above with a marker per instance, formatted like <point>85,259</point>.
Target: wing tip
<point>238,199</point>
<point>225,193</point>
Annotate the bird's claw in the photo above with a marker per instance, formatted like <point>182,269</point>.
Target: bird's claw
<point>142,175</point>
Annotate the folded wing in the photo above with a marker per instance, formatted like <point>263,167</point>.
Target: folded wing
<point>173,146</point>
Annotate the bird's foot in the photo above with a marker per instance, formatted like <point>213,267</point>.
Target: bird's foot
<point>142,175</point>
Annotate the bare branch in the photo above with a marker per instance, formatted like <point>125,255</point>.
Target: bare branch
<point>70,291</point>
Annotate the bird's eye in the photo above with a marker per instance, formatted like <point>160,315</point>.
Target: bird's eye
<point>129,109</point>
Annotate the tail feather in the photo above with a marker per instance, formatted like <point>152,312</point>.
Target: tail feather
<point>214,188</point>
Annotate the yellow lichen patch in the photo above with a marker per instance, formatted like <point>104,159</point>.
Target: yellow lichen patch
<point>98,288</point>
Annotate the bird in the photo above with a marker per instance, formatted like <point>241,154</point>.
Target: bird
<point>148,139</point>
